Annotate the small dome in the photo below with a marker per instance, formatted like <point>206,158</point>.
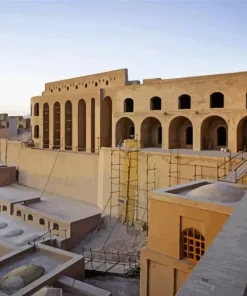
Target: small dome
<point>21,277</point>
<point>14,233</point>
<point>3,225</point>
<point>217,192</point>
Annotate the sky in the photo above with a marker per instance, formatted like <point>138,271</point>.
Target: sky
<point>48,40</point>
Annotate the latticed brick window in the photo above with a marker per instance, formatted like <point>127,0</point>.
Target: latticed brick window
<point>193,244</point>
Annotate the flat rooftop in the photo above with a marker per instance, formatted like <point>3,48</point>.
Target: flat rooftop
<point>15,233</point>
<point>222,269</point>
<point>205,191</point>
<point>55,206</point>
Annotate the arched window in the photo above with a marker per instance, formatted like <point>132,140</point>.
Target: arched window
<point>193,244</point>
<point>36,109</point>
<point>56,126</point>
<point>68,125</point>
<point>221,136</point>
<point>55,226</point>
<point>189,135</point>
<point>217,100</point>
<point>128,105</point>
<point>18,213</point>
<point>46,124</point>
<point>184,102</point>
<point>92,125</point>
<point>155,103</point>
<point>4,209</point>
<point>41,221</point>
<point>36,132</point>
<point>30,217</point>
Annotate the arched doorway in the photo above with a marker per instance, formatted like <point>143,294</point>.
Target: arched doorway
<point>242,134</point>
<point>93,125</point>
<point>151,133</point>
<point>56,126</point>
<point>180,133</point>
<point>214,133</point>
<point>125,129</point>
<point>46,126</point>
<point>82,125</point>
<point>68,125</point>
<point>106,123</point>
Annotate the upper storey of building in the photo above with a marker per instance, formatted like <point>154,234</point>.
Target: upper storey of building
<point>114,78</point>
<point>224,91</point>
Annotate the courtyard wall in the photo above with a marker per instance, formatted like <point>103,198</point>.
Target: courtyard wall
<point>89,176</point>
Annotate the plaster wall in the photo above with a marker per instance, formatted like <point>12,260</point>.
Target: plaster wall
<point>73,175</point>
<point>87,176</point>
<point>7,175</point>
<point>163,268</point>
<point>172,120</point>
<point>64,228</point>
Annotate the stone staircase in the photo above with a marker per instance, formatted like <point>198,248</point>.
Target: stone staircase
<point>236,174</point>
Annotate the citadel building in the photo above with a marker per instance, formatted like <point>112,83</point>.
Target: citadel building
<point>145,155</point>
<point>101,110</point>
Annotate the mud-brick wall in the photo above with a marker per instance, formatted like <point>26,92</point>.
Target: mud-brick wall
<point>65,173</point>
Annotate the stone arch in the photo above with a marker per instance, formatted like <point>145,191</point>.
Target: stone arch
<point>184,102</point>
<point>214,131</point>
<point>125,128</point>
<point>55,226</point>
<point>181,133</point>
<point>68,125</point>
<point>46,125</point>
<point>242,134</point>
<point>151,133</point>
<point>82,125</point>
<point>106,123</point>
<point>36,131</point>
<point>155,103</point>
<point>56,126</point>
<point>18,213</point>
<point>217,100</point>
<point>93,125</point>
<point>41,221</point>
<point>128,105</point>
<point>30,217</point>
<point>36,109</point>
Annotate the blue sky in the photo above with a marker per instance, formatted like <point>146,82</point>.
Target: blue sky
<point>47,40</point>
